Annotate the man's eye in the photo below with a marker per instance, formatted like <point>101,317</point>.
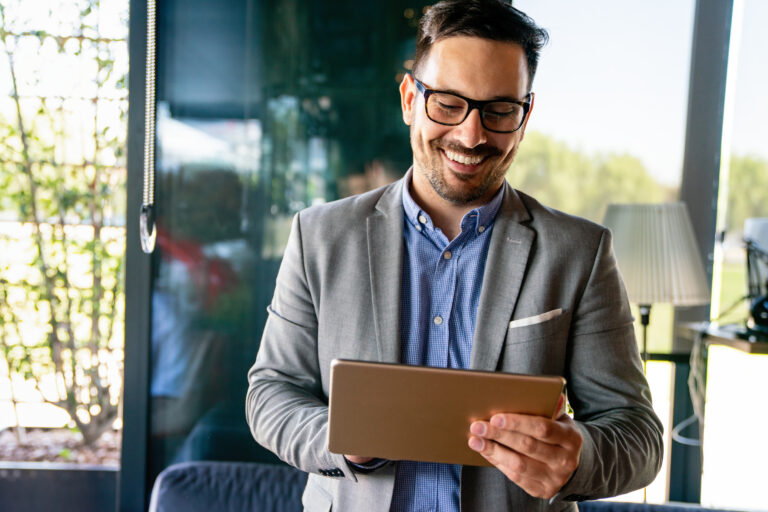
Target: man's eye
<point>448,106</point>
<point>502,110</point>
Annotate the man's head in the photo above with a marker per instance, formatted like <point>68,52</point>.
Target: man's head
<point>481,50</point>
<point>496,20</point>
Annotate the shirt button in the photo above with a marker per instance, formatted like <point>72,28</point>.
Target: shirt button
<point>447,255</point>
<point>418,228</point>
<point>481,229</point>
<point>422,219</point>
<point>438,320</point>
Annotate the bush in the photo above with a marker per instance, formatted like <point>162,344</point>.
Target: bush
<point>63,180</point>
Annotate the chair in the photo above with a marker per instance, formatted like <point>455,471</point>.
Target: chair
<point>227,487</point>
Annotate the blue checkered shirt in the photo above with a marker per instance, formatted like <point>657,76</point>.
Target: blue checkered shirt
<point>441,285</point>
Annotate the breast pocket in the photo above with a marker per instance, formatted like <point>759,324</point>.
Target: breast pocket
<point>539,348</point>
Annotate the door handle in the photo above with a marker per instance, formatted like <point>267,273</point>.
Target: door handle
<point>147,228</point>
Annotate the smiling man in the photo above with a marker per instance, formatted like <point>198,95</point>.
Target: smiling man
<point>452,267</point>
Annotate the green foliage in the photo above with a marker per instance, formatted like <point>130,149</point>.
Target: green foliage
<point>62,172</point>
<point>747,190</point>
<point>581,184</point>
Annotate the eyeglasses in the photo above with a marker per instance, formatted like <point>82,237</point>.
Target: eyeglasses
<point>500,116</point>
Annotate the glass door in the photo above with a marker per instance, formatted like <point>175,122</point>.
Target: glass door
<point>263,109</point>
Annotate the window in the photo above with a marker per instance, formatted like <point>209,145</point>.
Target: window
<point>734,379</point>
<point>264,108</point>
<point>62,236</point>
<point>608,126</point>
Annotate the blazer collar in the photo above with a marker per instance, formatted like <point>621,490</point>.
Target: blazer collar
<point>385,263</point>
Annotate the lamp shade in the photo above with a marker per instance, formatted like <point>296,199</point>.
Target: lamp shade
<point>657,254</point>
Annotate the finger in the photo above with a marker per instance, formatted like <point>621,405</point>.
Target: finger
<point>521,443</point>
<point>527,473</point>
<point>357,459</point>
<point>543,429</point>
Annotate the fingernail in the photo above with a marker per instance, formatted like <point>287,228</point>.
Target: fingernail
<point>478,428</point>
<point>498,421</point>
<point>476,443</point>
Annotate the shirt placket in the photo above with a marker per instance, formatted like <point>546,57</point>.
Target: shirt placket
<point>443,292</point>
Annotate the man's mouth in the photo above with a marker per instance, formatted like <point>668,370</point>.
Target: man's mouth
<point>463,159</point>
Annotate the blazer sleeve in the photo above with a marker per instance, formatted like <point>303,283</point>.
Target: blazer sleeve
<point>607,389</point>
<point>286,407</point>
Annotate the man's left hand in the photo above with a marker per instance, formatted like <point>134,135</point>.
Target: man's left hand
<point>538,454</point>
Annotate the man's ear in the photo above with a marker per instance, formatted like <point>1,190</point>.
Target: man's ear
<point>407,98</point>
<point>527,117</point>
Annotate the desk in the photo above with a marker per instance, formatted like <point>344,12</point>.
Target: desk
<point>728,335</point>
<point>733,472</point>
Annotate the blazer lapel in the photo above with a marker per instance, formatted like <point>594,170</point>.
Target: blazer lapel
<point>385,258</point>
<point>505,267</point>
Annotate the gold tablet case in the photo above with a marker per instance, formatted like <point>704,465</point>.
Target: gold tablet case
<point>402,412</point>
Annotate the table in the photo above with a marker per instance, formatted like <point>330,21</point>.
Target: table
<point>730,335</point>
<point>733,464</point>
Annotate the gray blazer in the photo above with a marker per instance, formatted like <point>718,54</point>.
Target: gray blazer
<point>338,296</point>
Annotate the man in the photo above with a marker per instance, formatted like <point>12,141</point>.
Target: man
<point>452,267</point>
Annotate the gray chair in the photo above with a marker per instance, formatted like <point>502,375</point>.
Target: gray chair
<point>227,487</point>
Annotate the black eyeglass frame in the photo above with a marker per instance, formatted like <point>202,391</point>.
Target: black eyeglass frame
<point>473,104</point>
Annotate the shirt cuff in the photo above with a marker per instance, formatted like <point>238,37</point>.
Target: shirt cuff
<point>367,467</point>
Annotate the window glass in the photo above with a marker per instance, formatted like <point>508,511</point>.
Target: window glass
<point>63,105</point>
<point>608,126</point>
<point>733,377</point>
<point>264,108</point>
<point>608,123</point>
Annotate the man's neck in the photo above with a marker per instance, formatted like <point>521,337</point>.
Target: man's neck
<point>444,214</point>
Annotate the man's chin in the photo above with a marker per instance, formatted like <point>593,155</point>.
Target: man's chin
<point>459,195</point>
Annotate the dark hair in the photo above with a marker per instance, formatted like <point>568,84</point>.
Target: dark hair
<point>490,19</point>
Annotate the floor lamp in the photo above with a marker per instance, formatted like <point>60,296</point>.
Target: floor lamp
<point>658,257</point>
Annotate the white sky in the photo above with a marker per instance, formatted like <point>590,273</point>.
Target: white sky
<point>750,116</point>
<point>614,78</point>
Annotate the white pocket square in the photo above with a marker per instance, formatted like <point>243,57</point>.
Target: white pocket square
<point>536,319</point>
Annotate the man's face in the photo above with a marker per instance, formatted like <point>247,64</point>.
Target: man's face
<point>464,164</point>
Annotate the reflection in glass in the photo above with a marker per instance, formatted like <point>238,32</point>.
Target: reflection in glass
<point>264,108</point>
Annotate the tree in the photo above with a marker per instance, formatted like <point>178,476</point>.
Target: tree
<point>61,289</point>
<point>581,184</point>
<point>747,190</point>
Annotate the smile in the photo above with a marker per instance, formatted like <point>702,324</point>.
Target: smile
<point>463,159</point>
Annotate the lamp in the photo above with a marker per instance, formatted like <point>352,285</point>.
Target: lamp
<point>658,257</point>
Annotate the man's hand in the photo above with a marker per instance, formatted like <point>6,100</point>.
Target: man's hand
<point>357,459</point>
<point>538,454</point>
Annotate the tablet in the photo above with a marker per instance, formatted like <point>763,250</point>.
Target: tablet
<point>402,412</point>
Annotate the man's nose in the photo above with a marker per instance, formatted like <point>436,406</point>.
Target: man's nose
<point>471,132</point>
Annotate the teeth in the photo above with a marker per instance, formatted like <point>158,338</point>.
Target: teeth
<point>463,159</point>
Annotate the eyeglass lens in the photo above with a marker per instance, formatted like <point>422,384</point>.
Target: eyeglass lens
<point>502,116</point>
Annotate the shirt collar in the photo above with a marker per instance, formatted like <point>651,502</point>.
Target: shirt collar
<point>482,216</point>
